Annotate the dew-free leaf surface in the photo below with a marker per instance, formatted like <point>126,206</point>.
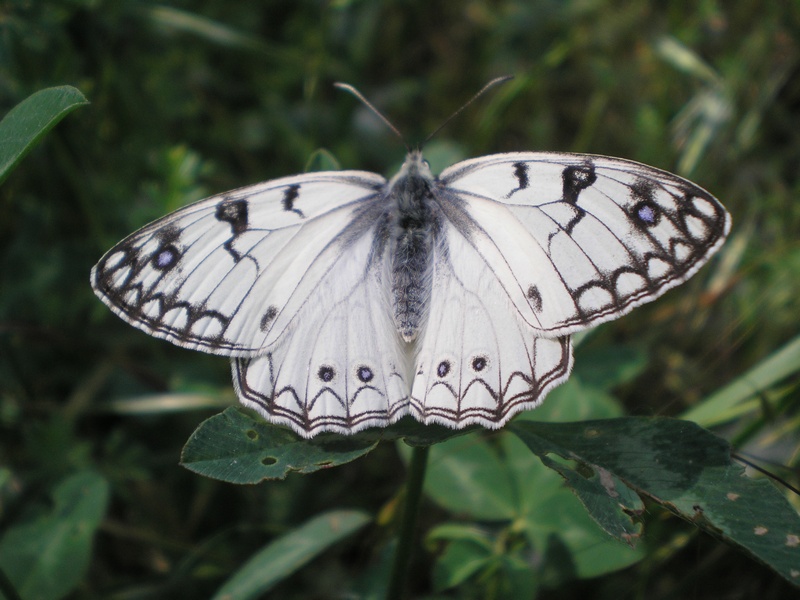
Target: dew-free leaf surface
<point>26,123</point>
<point>237,448</point>
<point>677,464</point>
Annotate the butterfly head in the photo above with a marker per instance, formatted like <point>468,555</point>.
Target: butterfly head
<point>414,166</point>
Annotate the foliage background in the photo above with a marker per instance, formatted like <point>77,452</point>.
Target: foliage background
<point>193,98</point>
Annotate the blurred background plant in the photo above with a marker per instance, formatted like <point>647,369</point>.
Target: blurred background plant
<point>193,98</point>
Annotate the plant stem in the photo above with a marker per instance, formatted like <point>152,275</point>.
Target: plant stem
<point>402,555</point>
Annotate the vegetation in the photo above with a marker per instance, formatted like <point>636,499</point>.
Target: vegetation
<point>193,98</point>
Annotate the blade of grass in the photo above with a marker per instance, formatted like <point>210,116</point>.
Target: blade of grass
<point>287,554</point>
<point>721,406</point>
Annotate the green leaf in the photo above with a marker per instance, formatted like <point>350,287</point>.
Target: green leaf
<point>47,556</point>
<point>603,494</point>
<point>482,479</point>
<point>205,28</point>
<point>552,516</point>
<point>463,532</point>
<point>460,560</point>
<point>684,59</point>
<point>287,554</point>
<point>472,554</point>
<point>236,448</point>
<point>574,401</point>
<point>681,466</point>
<point>414,433</point>
<point>321,159</point>
<point>30,120</point>
<point>520,580</point>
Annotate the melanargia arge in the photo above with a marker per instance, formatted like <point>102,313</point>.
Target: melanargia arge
<point>346,301</point>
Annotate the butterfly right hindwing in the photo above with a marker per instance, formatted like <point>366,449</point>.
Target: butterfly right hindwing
<point>479,361</point>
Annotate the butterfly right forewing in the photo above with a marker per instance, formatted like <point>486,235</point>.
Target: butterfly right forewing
<point>576,240</point>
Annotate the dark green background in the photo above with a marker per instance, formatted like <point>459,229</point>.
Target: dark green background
<point>194,98</point>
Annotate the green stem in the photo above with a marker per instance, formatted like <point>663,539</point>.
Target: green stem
<point>402,555</point>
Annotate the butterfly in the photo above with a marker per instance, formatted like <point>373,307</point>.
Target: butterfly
<point>347,301</point>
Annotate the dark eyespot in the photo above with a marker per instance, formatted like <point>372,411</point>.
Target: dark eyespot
<point>479,363</point>
<point>326,373</point>
<point>647,212</point>
<point>166,257</point>
<point>365,374</point>
<point>443,369</point>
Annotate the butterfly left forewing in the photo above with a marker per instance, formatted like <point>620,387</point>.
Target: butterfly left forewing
<point>576,240</point>
<point>225,274</point>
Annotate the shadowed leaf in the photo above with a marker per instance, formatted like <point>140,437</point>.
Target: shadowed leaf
<point>236,448</point>
<point>679,465</point>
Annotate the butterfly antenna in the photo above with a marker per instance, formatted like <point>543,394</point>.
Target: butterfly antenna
<point>480,93</point>
<point>349,88</point>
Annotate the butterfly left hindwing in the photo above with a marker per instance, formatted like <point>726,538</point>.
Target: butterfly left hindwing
<point>341,366</point>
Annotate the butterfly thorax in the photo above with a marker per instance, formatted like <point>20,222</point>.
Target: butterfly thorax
<point>414,221</point>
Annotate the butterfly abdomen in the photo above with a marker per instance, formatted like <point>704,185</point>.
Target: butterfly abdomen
<point>414,223</point>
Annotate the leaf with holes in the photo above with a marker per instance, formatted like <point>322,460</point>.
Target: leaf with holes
<point>236,448</point>
<point>677,464</point>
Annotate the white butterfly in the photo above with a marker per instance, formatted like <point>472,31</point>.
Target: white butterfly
<point>346,301</point>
